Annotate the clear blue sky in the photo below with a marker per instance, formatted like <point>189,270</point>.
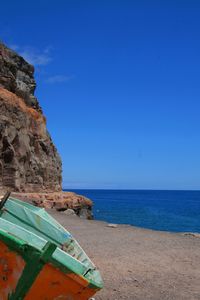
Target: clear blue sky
<point>119,82</point>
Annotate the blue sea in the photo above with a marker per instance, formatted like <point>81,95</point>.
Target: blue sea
<point>177,211</point>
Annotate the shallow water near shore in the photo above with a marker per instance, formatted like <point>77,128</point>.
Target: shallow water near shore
<point>176,211</point>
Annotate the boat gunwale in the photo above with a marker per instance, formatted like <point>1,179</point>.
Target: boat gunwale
<point>55,224</point>
<point>17,244</point>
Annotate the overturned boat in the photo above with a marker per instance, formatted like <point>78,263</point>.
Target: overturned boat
<point>39,259</point>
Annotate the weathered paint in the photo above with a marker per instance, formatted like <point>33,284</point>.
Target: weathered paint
<point>32,277</point>
<point>51,284</point>
<point>11,268</point>
<point>35,262</point>
<point>38,268</point>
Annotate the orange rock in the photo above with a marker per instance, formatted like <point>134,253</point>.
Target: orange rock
<point>60,201</point>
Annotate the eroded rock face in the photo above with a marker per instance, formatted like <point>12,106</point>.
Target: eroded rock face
<point>29,161</point>
<point>16,75</point>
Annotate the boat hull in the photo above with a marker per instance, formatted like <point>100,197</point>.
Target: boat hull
<point>39,259</point>
<point>27,274</point>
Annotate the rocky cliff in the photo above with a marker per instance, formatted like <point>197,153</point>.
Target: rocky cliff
<point>30,165</point>
<point>29,161</point>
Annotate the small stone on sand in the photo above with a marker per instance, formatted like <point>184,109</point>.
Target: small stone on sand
<point>69,212</point>
<point>112,225</point>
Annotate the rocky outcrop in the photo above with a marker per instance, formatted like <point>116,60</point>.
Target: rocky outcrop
<point>29,160</point>
<point>61,201</point>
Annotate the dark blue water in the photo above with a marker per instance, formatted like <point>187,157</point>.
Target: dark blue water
<point>177,211</point>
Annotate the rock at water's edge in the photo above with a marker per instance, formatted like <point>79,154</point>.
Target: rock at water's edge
<point>61,201</point>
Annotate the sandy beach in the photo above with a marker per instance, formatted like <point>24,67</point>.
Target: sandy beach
<point>137,263</point>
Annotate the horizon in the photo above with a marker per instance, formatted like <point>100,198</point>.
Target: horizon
<point>119,85</point>
<point>102,189</point>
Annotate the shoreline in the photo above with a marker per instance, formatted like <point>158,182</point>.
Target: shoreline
<point>138,263</point>
<point>148,229</point>
<point>72,200</point>
<point>123,225</point>
<point>174,211</point>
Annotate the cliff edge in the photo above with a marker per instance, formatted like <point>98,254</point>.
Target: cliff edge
<point>30,165</point>
<point>29,161</point>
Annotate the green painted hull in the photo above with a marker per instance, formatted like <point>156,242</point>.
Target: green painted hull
<point>45,247</point>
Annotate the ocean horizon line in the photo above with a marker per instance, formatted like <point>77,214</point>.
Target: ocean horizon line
<point>107,189</point>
